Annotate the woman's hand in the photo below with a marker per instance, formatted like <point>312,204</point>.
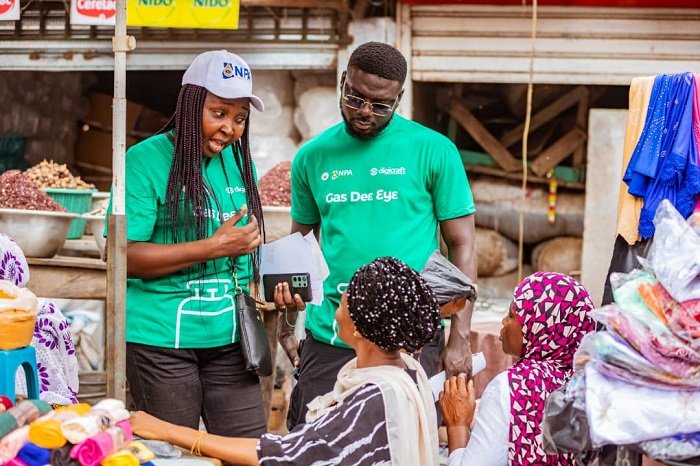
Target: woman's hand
<point>458,401</point>
<point>149,427</point>
<point>232,241</point>
<point>287,306</point>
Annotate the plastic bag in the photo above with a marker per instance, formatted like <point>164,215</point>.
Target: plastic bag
<point>678,447</point>
<point>682,318</point>
<point>615,358</point>
<point>647,334</point>
<point>565,425</point>
<point>14,298</point>
<point>625,258</point>
<point>446,280</point>
<point>675,254</point>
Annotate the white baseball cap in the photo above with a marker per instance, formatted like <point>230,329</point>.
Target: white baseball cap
<point>224,74</point>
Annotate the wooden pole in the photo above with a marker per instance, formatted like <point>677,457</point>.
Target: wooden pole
<point>115,311</point>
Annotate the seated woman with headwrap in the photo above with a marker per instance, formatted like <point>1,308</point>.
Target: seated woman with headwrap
<point>544,327</point>
<point>381,409</point>
<point>57,365</point>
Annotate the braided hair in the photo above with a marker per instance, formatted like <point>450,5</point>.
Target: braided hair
<point>392,306</point>
<point>185,180</point>
<point>244,160</point>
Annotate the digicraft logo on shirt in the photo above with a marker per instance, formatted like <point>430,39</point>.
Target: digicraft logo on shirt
<point>235,189</point>
<point>335,174</point>
<point>374,171</point>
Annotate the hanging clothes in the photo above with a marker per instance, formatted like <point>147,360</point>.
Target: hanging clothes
<point>642,166</point>
<point>664,164</point>
<point>696,127</point>
<point>678,175</point>
<point>629,206</point>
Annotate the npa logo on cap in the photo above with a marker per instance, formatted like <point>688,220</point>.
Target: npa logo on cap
<point>231,71</point>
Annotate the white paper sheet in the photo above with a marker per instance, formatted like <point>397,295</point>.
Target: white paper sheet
<point>437,382</point>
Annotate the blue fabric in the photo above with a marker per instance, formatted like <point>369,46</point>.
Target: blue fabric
<point>677,179</point>
<point>664,163</point>
<point>695,437</point>
<point>33,455</point>
<point>642,165</point>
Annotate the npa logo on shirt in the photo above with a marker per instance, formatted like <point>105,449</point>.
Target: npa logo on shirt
<point>335,174</point>
<point>374,171</point>
<point>235,189</point>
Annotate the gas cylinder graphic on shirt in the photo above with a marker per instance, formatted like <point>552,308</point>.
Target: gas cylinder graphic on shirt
<point>206,293</point>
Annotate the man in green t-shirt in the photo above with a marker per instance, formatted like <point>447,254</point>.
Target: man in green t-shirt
<point>375,185</point>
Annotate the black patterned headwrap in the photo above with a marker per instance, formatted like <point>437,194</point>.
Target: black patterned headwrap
<point>392,306</point>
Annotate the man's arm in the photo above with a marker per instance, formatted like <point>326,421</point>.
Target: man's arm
<point>459,236</point>
<point>305,229</point>
<point>288,318</point>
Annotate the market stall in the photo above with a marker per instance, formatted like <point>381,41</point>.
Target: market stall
<point>73,43</point>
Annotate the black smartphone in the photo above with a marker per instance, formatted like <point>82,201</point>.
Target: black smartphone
<point>299,283</point>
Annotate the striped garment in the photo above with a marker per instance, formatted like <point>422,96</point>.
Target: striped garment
<point>352,434</point>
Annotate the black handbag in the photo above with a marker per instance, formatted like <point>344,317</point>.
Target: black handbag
<point>254,342</point>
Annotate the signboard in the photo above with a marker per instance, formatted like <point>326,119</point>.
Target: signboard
<point>93,12</point>
<point>9,10</point>
<point>597,3</point>
<point>209,14</point>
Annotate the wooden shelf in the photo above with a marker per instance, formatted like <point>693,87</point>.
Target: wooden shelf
<point>68,277</point>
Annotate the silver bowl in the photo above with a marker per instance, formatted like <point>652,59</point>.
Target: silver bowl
<point>39,233</point>
<point>95,227</point>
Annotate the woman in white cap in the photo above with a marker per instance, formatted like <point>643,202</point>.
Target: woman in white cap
<point>194,225</point>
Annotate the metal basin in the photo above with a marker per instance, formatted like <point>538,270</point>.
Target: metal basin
<point>95,227</point>
<point>39,233</point>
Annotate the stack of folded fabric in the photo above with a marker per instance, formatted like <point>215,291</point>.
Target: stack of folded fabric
<point>32,434</point>
<point>642,374</point>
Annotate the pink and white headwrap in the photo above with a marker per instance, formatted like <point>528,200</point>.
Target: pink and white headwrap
<point>553,310</point>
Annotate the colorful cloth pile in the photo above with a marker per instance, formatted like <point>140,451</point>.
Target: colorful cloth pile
<point>642,374</point>
<point>33,434</point>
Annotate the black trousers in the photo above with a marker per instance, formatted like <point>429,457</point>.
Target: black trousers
<point>180,385</point>
<point>320,364</point>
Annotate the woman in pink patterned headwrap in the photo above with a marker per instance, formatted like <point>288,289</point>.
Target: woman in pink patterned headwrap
<point>544,327</point>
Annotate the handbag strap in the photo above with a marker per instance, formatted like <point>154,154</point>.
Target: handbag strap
<point>237,288</point>
<point>234,273</point>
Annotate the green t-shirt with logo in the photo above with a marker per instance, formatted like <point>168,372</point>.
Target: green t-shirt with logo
<point>374,198</point>
<point>184,309</point>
